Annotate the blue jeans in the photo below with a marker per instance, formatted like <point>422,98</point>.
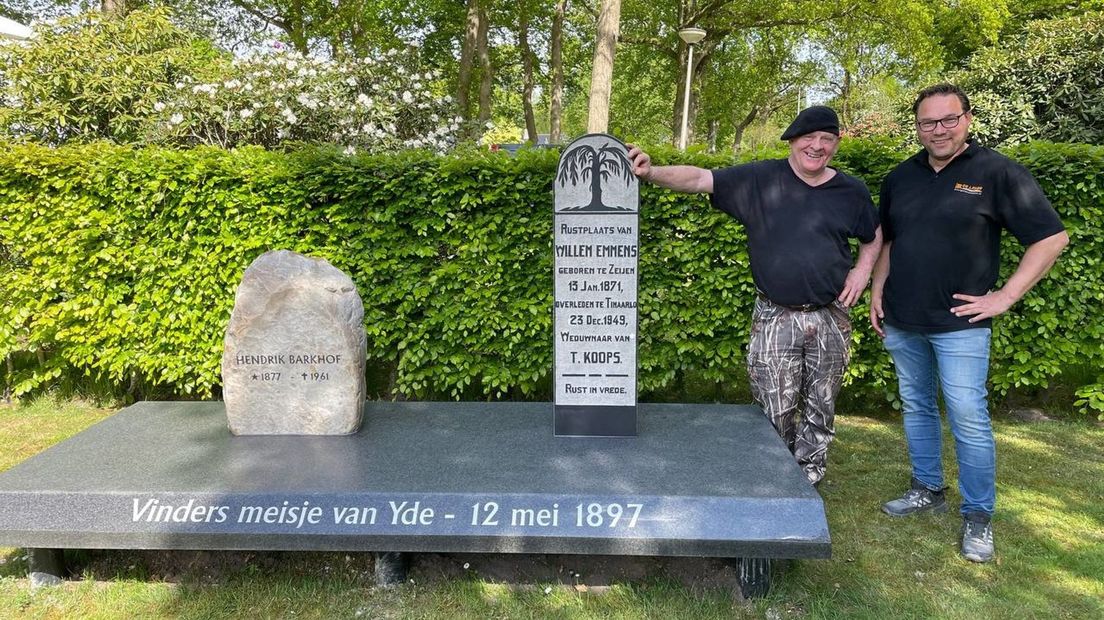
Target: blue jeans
<point>957,364</point>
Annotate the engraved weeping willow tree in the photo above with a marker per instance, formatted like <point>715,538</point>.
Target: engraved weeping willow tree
<point>596,165</point>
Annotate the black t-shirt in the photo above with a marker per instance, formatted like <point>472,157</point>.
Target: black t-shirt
<point>946,227</point>
<point>797,234</point>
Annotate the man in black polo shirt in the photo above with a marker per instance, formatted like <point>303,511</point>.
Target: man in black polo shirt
<point>942,213</point>
<point>799,214</point>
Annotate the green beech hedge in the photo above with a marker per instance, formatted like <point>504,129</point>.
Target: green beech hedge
<point>121,264</point>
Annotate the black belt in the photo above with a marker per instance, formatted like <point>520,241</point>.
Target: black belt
<point>801,308</point>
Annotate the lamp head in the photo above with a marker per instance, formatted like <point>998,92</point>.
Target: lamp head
<point>691,35</point>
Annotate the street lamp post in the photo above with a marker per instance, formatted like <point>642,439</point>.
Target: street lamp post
<point>691,36</point>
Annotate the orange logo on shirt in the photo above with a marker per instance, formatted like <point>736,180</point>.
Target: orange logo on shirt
<point>973,190</point>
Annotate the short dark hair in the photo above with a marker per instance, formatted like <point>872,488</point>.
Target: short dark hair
<point>945,88</point>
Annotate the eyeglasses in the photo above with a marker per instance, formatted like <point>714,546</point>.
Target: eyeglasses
<point>949,123</point>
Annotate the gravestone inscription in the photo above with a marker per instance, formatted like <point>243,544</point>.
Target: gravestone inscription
<point>294,353</point>
<point>596,249</point>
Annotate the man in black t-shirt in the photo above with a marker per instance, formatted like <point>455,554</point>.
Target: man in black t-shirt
<point>932,300</point>
<point>799,215</point>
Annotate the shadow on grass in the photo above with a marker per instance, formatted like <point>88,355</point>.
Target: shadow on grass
<point>337,585</point>
<point>1050,555</point>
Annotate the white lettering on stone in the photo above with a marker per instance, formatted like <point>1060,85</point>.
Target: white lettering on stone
<point>352,515</point>
<point>153,511</point>
<point>402,514</point>
<point>284,514</point>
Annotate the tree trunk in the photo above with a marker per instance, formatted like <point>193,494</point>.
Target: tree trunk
<point>484,52</point>
<point>680,83</point>
<point>680,93</point>
<point>601,74</point>
<point>296,26</point>
<point>738,137</point>
<point>527,74</point>
<point>692,116</point>
<point>113,8</point>
<point>467,60</point>
<point>556,112</point>
<point>845,98</point>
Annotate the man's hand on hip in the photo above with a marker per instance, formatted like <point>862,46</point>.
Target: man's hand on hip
<point>983,307</point>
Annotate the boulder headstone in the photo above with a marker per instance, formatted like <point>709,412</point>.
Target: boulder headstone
<point>596,249</point>
<point>293,360</point>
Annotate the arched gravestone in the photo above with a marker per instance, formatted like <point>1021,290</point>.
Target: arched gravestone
<point>596,247</point>
<point>293,361</point>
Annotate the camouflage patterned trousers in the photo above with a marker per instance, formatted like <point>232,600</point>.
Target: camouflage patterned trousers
<point>796,362</point>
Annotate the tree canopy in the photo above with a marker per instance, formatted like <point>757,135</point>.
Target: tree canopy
<point>524,67</point>
<point>1046,82</point>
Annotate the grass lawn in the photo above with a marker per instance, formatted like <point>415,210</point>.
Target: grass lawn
<point>1049,533</point>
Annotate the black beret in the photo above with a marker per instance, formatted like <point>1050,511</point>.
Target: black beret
<point>815,118</point>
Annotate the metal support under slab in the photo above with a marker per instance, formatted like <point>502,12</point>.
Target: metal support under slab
<point>391,567</point>
<point>46,566</point>
<point>754,575</point>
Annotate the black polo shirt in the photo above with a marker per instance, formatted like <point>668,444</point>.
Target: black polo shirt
<point>797,234</point>
<point>946,227</point>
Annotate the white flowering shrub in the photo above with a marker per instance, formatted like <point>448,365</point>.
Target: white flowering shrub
<point>382,104</point>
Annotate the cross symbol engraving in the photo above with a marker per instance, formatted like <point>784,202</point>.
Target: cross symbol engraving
<point>304,376</point>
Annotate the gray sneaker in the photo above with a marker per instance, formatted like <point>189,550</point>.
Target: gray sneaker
<point>917,499</point>
<point>977,537</point>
